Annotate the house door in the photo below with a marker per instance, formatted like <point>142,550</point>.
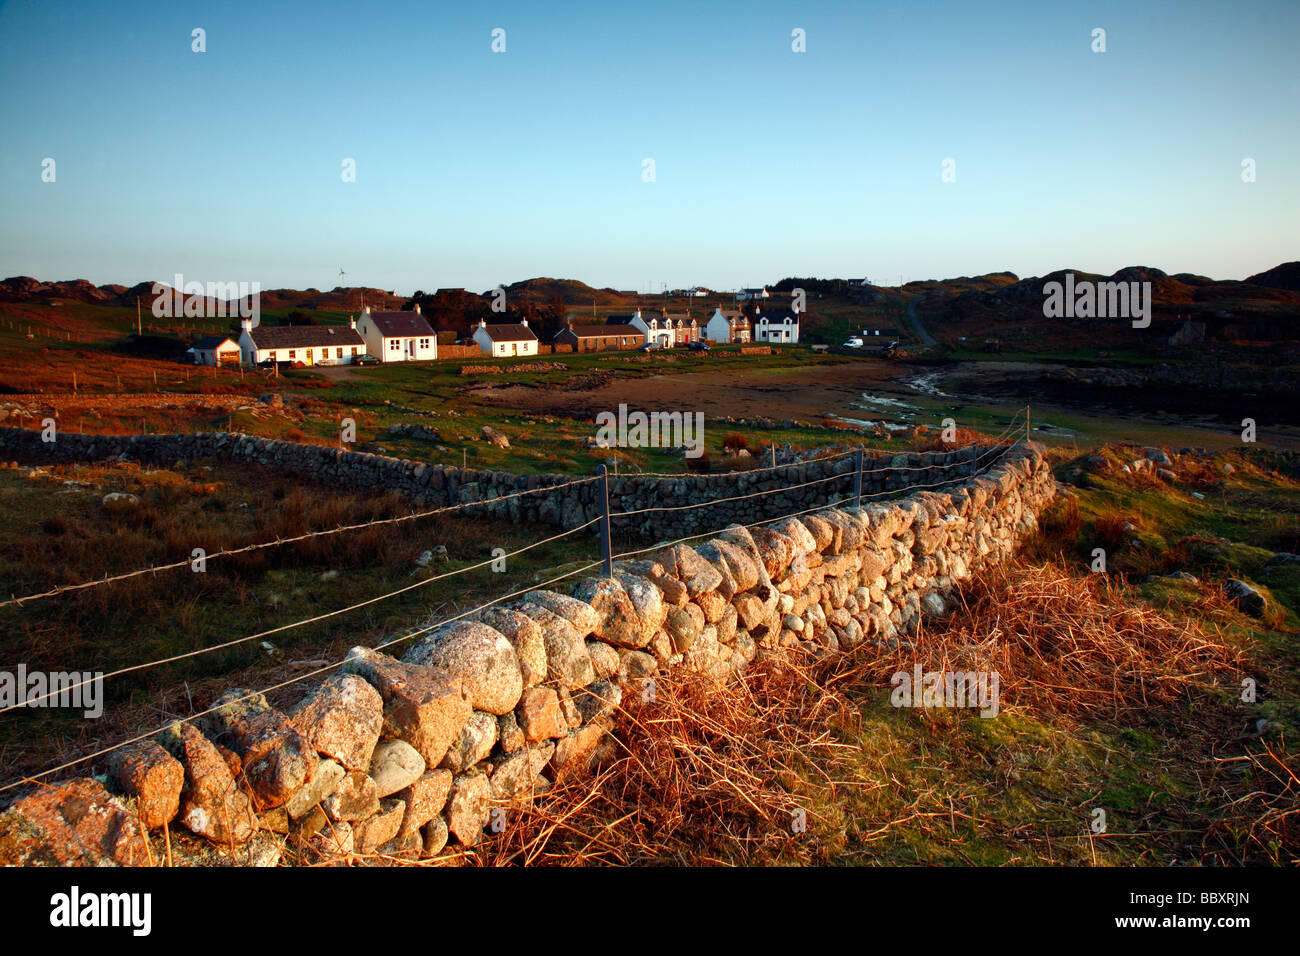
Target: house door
<point>410,348</point>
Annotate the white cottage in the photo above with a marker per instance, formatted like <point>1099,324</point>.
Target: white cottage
<point>398,336</point>
<point>299,344</point>
<point>503,340</point>
<point>781,327</point>
<point>727,327</point>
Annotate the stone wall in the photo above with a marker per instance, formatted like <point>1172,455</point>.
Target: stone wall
<point>774,493</point>
<point>399,754</point>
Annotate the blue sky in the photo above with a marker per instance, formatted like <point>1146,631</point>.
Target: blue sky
<point>475,168</point>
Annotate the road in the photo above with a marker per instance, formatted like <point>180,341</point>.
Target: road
<point>925,337</point>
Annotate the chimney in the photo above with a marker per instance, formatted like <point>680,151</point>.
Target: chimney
<point>482,323</point>
<point>352,321</point>
<point>524,323</point>
<point>417,308</point>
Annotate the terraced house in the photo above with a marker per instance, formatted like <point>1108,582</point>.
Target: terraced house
<point>398,336</point>
<point>299,344</point>
<point>665,330</point>
<point>600,338</point>
<point>506,339</point>
<point>727,328</point>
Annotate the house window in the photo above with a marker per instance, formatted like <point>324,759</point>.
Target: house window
<point>271,355</point>
<point>338,353</point>
<point>394,345</point>
<point>424,343</point>
<point>292,353</point>
<point>354,350</point>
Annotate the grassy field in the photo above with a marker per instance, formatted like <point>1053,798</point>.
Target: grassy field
<point>58,530</point>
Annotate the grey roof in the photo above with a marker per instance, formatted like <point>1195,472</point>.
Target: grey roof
<point>510,333</point>
<point>304,336</point>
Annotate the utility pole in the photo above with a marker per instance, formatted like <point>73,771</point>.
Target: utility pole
<point>138,331</point>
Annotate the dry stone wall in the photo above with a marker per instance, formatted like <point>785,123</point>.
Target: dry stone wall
<point>399,755</point>
<point>766,494</point>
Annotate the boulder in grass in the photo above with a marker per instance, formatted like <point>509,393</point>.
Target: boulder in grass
<point>1247,598</point>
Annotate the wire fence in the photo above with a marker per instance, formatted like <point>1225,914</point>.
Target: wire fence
<point>981,462</point>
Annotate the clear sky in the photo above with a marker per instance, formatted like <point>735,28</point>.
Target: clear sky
<point>474,167</point>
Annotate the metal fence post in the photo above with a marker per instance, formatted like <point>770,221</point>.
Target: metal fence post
<point>606,546</point>
<point>857,478</point>
<point>1029,428</point>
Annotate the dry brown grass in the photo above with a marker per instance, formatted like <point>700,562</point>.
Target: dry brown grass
<point>933,440</point>
<point>1072,647</point>
<point>1267,815</point>
<point>1111,530</point>
<point>704,773</point>
<point>710,773</point>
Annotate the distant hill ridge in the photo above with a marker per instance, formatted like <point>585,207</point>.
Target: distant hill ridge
<point>996,286</point>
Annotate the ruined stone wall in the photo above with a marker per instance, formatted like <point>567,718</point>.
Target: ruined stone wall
<point>773,493</point>
<point>412,745</point>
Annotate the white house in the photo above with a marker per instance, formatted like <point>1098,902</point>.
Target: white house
<point>216,350</point>
<point>745,295</point>
<point>295,344</point>
<point>397,336</point>
<point>727,327</point>
<point>506,339</point>
<point>657,330</point>
<point>779,327</point>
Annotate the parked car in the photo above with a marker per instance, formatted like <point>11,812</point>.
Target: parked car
<point>853,343</point>
<point>648,347</point>
<point>365,358</point>
<point>698,346</point>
